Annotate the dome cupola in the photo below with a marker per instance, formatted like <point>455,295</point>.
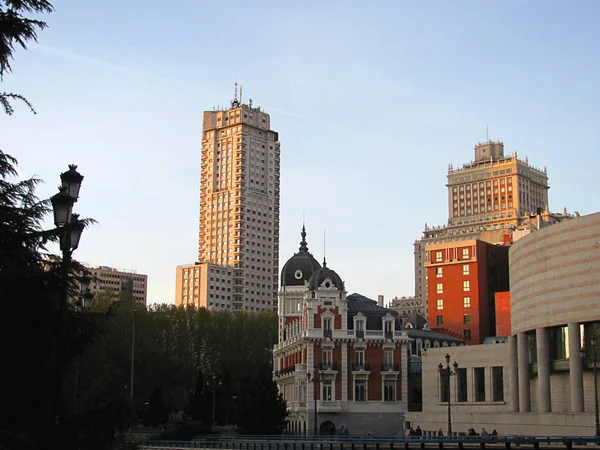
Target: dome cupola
<point>325,277</point>
<point>300,267</point>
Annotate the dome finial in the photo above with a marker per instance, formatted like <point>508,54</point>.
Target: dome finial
<point>303,245</point>
<point>324,263</point>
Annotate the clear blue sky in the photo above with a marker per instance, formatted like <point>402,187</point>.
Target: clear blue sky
<point>372,101</point>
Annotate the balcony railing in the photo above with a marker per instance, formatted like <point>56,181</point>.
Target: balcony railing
<point>328,366</point>
<point>385,367</point>
<point>327,333</point>
<point>329,406</point>
<point>286,371</point>
<point>360,334</point>
<point>361,367</point>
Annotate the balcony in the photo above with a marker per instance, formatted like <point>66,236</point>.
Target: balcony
<point>328,366</point>
<point>329,406</point>
<point>327,333</point>
<point>390,367</point>
<point>365,367</point>
<point>286,371</point>
<point>360,334</point>
<point>389,334</point>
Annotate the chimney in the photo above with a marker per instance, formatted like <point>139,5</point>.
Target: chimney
<point>380,300</point>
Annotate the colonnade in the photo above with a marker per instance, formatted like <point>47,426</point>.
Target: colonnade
<point>519,354</point>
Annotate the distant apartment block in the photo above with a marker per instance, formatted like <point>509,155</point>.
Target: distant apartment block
<point>238,239</point>
<point>110,279</point>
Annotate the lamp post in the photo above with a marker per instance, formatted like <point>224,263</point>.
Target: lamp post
<point>214,397</point>
<point>86,298</point>
<point>447,372</point>
<point>70,229</point>
<point>314,381</point>
<point>594,341</point>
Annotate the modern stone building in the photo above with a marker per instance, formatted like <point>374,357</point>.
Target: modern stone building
<point>238,250</point>
<point>109,279</point>
<point>539,381</point>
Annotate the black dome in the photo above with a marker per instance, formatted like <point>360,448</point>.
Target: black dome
<point>300,267</point>
<point>321,275</point>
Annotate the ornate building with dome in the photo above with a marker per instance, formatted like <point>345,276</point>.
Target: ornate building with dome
<point>344,360</point>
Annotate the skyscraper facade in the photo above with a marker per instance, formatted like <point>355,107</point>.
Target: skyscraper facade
<point>239,213</point>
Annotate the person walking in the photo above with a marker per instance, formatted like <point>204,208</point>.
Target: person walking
<point>440,432</point>
<point>484,433</point>
<point>418,431</point>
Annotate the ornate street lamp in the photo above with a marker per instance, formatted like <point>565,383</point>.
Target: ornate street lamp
<point>447,373</point>
<point>71,181</point>
<point>314,381</point>
<point>70,228</point>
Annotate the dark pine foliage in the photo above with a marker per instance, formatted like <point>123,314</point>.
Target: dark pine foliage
<point>16,30</point>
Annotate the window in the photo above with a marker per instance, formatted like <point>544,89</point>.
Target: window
<point>327,390</point>
<point>461,385</point>
<point>439,288</point>
<point>440,304</point>
<point>466,286</point>
<point>388,356</point>
<point>465,269</point>
<point>467,335</point>
<point>438,256</point>
<point>439,320</point>
<point>497,384</point>
<point>327,356</point>
<point>465,253</point>
<point>389,391</point>
<point>466,302</point>
<point>438,272</point>
<point>359,357</point>
<point>467,318</point>
<point>444,386</point>
<point>360,391</point>
<point>479,378</point>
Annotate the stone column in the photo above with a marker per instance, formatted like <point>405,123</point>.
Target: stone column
<point>543,369</point>
<point>575,368</point>
<point>404,372</point>
<point>513,373</point>
<point>523,355</point>
<point>344,369</point>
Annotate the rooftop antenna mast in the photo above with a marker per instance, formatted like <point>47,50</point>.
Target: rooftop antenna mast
<point>240,93</point>
<point>235,101</point>
<point>324,247</point>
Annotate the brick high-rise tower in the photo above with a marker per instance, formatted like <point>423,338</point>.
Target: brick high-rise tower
<point>238,240</point>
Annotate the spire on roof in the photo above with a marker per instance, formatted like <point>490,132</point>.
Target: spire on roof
<point>303,245</point>
<point>324,263</point>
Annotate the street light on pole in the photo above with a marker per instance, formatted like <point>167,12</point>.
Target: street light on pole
<point>314,381</point>
<point>86,298</point>
<point>447,373</point>
<point>70,229</point>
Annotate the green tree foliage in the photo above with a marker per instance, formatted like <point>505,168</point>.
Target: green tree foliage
<point>190,354</point>
<point>16,30</point>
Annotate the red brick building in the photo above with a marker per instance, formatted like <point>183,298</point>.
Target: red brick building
<point>343,360</point>
<point>462,279</point>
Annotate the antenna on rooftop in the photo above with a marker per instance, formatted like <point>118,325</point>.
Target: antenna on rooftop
<point>240,93</point>
<point>235,101</point>
<point>324,247</point>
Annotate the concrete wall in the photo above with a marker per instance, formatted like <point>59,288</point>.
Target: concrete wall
<point>554,275</point>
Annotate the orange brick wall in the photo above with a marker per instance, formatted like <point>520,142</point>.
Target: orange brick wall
<point>503,327</point>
